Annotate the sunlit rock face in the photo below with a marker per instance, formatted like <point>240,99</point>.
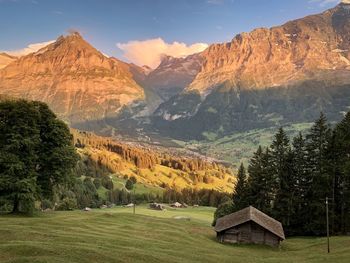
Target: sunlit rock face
<point>78,82</point>
<point>267,78</point>
<point>314,47</point>
<point>6,59</point>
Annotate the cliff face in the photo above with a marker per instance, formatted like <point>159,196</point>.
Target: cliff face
<point>78,82</point>
<point>5,59</point>
<point>314,47</point>
<point>173,75</point>
<point>266,78</point>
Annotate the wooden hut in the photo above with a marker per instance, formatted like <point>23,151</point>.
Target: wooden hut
<point>249,226</point>
<point>176,205</point>
<point>156,206</point>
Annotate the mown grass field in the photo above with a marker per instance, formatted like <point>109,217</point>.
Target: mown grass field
<point>116,235</point>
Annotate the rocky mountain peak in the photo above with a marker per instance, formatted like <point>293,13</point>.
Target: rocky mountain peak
<point>6,59</point>
<point>174,74</point>
<point>75,79</point>
<point>314,47</point>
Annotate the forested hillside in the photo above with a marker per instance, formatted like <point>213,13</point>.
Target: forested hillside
<point>106,156</point>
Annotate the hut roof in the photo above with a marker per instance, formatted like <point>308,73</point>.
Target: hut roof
<point>250,214</point>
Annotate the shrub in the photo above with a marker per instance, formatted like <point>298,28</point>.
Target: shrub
<point>67,203</point>
<point>129,184</point>
<point>223,209</point>
<point>97,183</point>
<point>45,204</point>
<point>107,183</point>
<point>133,179</point>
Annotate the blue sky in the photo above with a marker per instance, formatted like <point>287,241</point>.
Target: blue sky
<point>104,23</point>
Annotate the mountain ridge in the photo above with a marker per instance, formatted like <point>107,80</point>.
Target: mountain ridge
<point>74,78</point>
<point>268,77</point>
<point>279,55</point>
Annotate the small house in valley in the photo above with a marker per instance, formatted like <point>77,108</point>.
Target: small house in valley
<point>156,206</point>
<point>249,226</point>
<point>176,205</point>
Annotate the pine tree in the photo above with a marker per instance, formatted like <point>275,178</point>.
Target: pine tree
<point>260,181</point>
<point>341,181</point>
<point>301,184</point>
<point>240,198</point>
<point>279,153</point>
<point>320,181</point>
<point>286,194</point>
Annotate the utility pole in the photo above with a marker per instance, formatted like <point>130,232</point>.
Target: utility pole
<point>327,219</point>
<point>134,207</point>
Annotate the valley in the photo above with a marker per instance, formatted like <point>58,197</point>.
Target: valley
<point>202,103</point>
<point>116,235</point>
<point>175,131</point>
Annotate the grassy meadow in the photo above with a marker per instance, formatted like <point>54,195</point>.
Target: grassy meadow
<point>116,235</point>
<point>239,147</point>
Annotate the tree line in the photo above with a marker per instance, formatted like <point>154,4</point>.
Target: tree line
<point>291,179</point>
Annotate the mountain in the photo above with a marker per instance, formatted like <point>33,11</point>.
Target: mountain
<point>173,75</point>
<point>5,59</point>
<point>302,49</point>
<point>268,77</point>
<point>170,78</point>
<point>79,83</point>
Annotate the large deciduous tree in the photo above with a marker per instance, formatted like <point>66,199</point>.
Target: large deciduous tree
<point>36,153</point>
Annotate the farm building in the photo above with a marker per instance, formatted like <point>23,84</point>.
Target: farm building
<point>249,226</point>
<point>178,205</point>
<point>156,206</point>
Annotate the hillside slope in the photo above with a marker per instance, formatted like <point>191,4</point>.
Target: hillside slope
<point>150,166</point>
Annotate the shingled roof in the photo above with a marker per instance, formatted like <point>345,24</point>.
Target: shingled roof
<point>250,214</point>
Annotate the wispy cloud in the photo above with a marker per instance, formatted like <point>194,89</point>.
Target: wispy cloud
<point>31,48</point>
<point>215,2</point>
<point>58,12</point>
<point>323,3</point>
<point>149,52</point>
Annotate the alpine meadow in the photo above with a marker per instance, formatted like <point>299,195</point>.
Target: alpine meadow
<point>175,131</point>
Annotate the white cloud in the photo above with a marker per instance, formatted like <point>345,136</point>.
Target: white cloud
<point>325,2</point>
<point>31,48</point>
<point>215,2</point>
<point>149,52</point>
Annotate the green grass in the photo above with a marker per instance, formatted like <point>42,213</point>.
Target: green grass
<point>239,147</point>
<point>116,235</point>
<point>119,183</point>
